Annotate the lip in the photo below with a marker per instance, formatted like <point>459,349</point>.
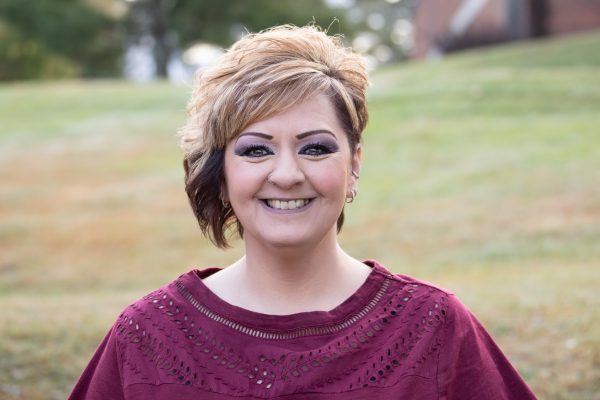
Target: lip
<point>263,201</point>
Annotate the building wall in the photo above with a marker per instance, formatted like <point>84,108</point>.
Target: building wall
<point>432,22</point>
<point>567,16</point>
<point>491,20</point>
<point>488,27</point>
<point>499,20</point>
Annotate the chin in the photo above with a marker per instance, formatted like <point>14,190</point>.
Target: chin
<point>284,239</point>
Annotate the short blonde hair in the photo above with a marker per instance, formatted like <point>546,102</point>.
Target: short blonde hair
<point>261,75</point>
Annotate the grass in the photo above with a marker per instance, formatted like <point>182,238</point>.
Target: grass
<point>481,174</point>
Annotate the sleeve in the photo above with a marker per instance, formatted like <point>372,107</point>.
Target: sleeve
<point>102,378</point>
<point>471,365</point>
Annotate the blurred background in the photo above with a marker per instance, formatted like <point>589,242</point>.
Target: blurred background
<point>481,170</point>
<point>145,40</point>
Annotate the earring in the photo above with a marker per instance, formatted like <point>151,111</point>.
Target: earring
<point>353,194</point>
<point>355,174</point>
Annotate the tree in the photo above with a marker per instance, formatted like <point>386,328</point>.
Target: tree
<point>56,38</point>
<point>174,23</point>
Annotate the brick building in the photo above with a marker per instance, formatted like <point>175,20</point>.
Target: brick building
<point>442,26</point>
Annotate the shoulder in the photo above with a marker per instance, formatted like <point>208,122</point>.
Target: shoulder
<point>412,290</point>
<point>159,315</point>
<point>402,279</point>
<point>163,302</point>
<point>146,303</point>
<point>469,364</point>
<point>150,333</point>
<point>452,308</point>
<point>440,308</point>
<point>137,349</point>
<point>428,305</point>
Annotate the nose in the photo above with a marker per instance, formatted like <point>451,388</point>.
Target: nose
<point>286,172</point>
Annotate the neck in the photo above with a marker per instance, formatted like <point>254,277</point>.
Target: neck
<point>288,280</point>
<point>294,267</point>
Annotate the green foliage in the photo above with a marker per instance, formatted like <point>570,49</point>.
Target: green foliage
<point>219,22</point>
<point>174,23</point>
<point>56,39</point>
<point>23,58</point>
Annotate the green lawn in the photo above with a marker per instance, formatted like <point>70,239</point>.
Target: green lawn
<point>481,174</point>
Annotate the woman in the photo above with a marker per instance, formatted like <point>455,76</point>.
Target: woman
<point>272,149</point>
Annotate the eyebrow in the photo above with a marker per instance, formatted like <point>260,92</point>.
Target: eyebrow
<point>299,136</point>
<point>259,134</point>
<point>316,131</point>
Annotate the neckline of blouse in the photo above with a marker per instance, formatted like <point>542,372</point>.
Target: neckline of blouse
<point>354,308</point>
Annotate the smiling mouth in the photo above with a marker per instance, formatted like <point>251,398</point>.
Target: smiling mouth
<point>286,204</point>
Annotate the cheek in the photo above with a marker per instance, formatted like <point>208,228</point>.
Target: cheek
<point>235,172</point>
<point>330,180</point>
<point>242,178</point>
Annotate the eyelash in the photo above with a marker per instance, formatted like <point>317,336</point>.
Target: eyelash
<point>320,148</point>
<point>247,151</point>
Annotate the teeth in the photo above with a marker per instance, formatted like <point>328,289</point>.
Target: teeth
<point>287,205</point>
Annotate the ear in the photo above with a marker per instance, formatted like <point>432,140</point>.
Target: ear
<point>223,193</point>
<point>355,165</point>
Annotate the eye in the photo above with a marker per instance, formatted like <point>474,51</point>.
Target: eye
<point>255,151</point>
<point>316,149</point>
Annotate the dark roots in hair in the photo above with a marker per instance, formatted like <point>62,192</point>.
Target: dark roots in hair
<point>204,193</point>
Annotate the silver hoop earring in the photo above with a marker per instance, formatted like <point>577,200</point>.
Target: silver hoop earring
<point>353,194</point>
<point>355,174</point>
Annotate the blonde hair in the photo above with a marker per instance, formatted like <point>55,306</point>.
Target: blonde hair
<point>261,75</point>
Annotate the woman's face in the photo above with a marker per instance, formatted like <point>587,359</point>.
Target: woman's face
<point>287,176</point>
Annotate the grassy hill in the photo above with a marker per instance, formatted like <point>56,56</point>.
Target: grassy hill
<point>480,174</point>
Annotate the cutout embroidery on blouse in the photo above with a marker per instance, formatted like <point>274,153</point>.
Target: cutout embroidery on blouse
<point>210,363</point>
<point>302,332</point>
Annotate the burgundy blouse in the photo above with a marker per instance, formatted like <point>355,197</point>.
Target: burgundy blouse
<point>395,338</point>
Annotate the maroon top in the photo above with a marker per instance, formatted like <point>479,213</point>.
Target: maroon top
<point>395,338</point>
